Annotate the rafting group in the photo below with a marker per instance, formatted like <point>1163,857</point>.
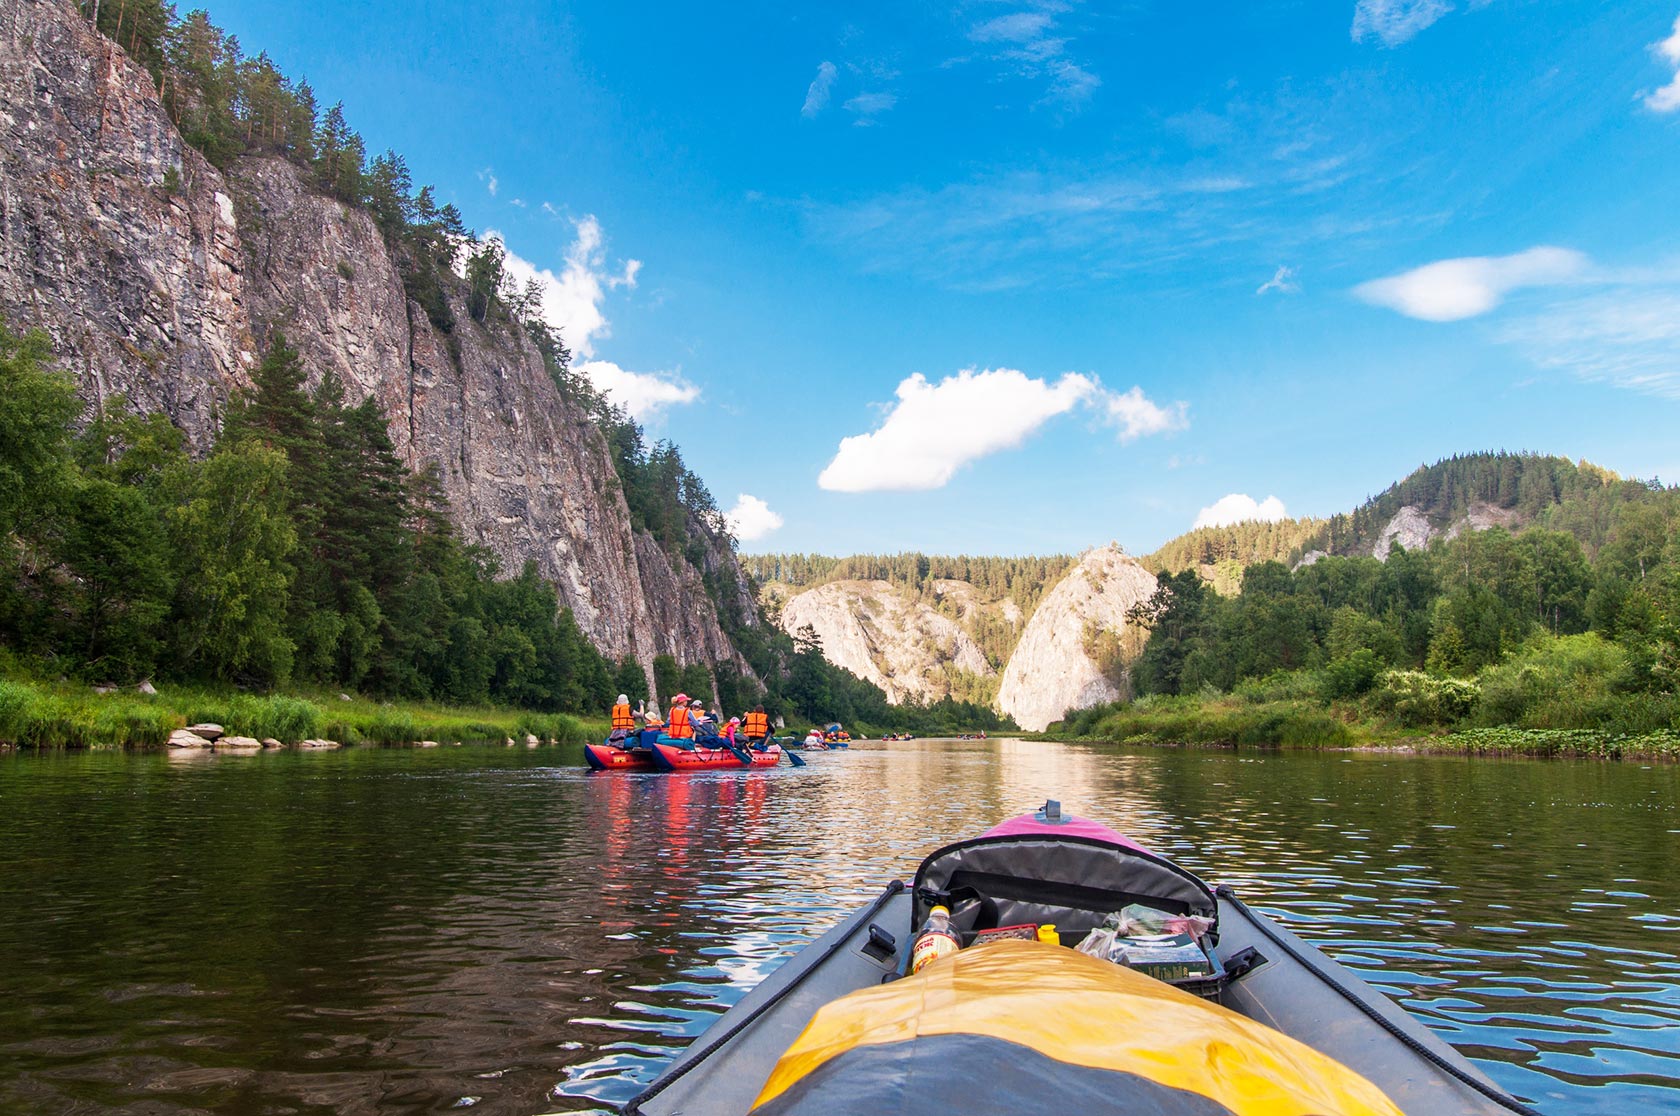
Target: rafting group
<point>690,740</point>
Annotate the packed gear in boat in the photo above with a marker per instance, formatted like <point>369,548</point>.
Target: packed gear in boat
<point>1175,999</point>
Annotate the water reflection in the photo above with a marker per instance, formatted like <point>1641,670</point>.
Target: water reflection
<point>366,931</point>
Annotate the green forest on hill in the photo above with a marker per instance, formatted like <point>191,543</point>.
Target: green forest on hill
<point>1572,625</point>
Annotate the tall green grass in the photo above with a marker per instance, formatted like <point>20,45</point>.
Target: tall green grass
<point>41,715</point>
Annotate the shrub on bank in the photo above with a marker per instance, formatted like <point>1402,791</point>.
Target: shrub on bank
<point>1194,721</point>
<point>38,715</point>
<point>1418,700</point>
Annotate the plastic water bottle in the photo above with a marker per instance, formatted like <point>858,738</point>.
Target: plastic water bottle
<point>935,941</point>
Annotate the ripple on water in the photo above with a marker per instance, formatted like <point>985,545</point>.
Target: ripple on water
<point>495,929</point>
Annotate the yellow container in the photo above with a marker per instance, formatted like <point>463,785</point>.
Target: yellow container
<point>1047,934</point>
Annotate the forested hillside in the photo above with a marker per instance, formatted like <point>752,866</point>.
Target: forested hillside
<point>308,452</point>
<point>1539,628</point>
<point>1530,489</point>
<point>1222,553</point>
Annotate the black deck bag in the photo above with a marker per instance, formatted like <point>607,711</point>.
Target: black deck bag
<point>1074,882</point>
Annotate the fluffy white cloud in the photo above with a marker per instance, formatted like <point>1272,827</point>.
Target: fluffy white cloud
<point>751,518</point>
<point>1283,283</point>
<point>1395,21</point>
<point>935,429</point>
<point>816,96</point>
<point>644,395</point>
<point>1667,99</point>
<point>1239,507</point>
<point>1448,290</point>
<point>571,301</point>
<point>1137,417</point>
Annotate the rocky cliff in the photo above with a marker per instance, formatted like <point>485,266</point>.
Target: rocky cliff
<point>901,645</point>
<point>161,279</point>
<point>1077,647</point>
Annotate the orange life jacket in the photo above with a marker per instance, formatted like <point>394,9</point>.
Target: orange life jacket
<point>679,728</point>
<point>757,724</point>
<point>622,719</point>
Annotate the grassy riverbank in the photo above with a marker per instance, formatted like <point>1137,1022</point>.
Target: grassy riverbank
<point>62,715</point>
<point>1235,721</point>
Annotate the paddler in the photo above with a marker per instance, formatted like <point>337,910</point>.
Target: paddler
<point>623,721</point>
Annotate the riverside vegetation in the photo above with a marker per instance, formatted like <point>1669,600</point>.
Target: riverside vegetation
<point>300,555</point>
<point>1560,639</point>
<point>287,549</point>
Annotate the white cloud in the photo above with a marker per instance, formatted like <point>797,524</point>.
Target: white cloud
<point>1239,507</point>
<point>1137,417</point>
<point>1395,21</point>
<point>935,429</point>
<point>488,177</point>
<point>1449,290</point>
<point>866,106</point>
<point>643,395</point>
<point>1667,99</point>
<point>1283,282</point>
<point>751,518</point>
<point>571,301</point>
<point>1017,27</point>
<point>1627,335</point>
<point>816,96</point>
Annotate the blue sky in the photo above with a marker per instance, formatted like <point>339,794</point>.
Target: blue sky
<point>1062,272</point>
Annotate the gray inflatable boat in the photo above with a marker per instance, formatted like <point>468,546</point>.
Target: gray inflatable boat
<point>1051,868</point>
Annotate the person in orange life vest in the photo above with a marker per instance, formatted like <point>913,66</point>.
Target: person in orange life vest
<point>730,729</point>
<point>623,721</point>
<point>680,729</point>
<point>757,726</point>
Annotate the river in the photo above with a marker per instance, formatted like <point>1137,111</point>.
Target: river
<point>401,931</point>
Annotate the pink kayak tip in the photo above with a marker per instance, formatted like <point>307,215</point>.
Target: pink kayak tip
<point>1032,825</point>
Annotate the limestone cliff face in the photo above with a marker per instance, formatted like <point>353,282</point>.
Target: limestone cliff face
<point>162,279</point>
<point>1052,669</point>
<point>1412,529</point>
<point>902,646</point>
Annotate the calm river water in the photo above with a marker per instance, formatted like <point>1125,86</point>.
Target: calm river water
<point>417,931</point>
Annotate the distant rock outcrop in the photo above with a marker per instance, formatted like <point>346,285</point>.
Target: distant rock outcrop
<point>901,645</point>
<point>1052,669</point>
<point>1412,529</point>
<point>162,279</point>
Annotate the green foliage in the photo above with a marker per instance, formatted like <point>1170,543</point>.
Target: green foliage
<point>1352,675</point>
<point>1418,700</point>
<point>1195,720</point>
<point>1210,550</point>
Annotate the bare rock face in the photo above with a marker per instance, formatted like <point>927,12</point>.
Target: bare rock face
<point>161,279</point>
<point>1409,527</point>
<point>1052,670</point>
<point>902,646</point>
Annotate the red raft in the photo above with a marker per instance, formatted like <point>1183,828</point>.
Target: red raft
<point>669,757</point>
<point>610,757</point>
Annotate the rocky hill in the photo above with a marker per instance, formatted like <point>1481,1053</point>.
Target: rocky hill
<point>162,279</point>
<point>1078,646</point>
<point>902,645</point>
